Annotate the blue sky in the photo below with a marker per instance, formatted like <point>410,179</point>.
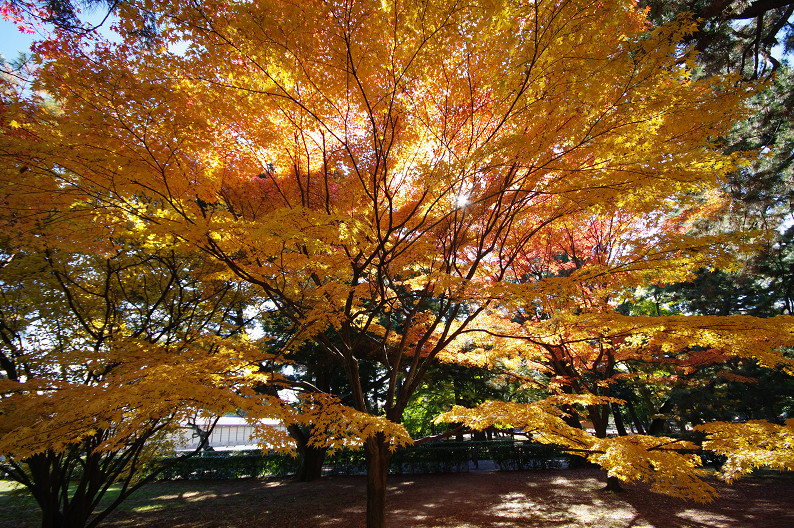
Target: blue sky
<point>12,41</point>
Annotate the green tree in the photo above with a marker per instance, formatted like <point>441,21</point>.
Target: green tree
<point>733,35</point>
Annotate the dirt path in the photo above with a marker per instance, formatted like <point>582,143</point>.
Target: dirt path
<point>547,499</point>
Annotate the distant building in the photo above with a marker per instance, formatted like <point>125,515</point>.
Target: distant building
<point>230,433</point>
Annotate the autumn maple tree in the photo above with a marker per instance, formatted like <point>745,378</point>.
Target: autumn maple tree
<point>108,347</point>
<point>102,357</point>
<point>379,171</point>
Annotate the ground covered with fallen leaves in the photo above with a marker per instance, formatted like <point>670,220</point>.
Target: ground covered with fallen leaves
<point>480,499</point>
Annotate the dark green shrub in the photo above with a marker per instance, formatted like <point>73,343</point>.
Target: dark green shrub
<point>442,457</point>
<point>346,462</point>
<point>527,455</point>
<point>438,457</point>
<point>230,465</point>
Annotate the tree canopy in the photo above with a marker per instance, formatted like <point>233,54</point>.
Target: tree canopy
<point>412,182</point>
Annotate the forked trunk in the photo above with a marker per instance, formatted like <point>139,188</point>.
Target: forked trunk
<point>53,517</point>
<point>378,455</point>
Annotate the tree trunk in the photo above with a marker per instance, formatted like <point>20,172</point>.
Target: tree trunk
<point>571,417</point>
<point>600,415</point>
<point>47,477</point>
<point>613,484</point>
<point>378,455</point>
<point>310,458</point>
<point>51,517</point>
<point>311,464</point>
<point>619,425</point>
<point>459,435</point>
<point>638,426</point>
<point>458,401</point>
<point>657,425</point>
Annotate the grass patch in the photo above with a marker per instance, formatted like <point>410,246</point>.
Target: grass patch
<point>18,508</point>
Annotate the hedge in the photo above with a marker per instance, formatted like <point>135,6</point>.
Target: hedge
<point>442,457</point>
<point>439,457</point>
<point>509,456</point>
<point>229,465</point>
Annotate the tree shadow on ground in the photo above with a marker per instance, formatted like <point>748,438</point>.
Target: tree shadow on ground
<point>753,502</point>
<point>547,499</point>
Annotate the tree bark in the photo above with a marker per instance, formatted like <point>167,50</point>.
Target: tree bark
<point>51,517</point>
<point>311,464</point>
<point>599,415</point>
<point>378,456</point>
<point>310,458</point>
<point>638,426</point>
<point>571,417</point>
<point>619,425</point>
<point>657,424</point>
<point>73,517</point>
<point>613,484</point>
